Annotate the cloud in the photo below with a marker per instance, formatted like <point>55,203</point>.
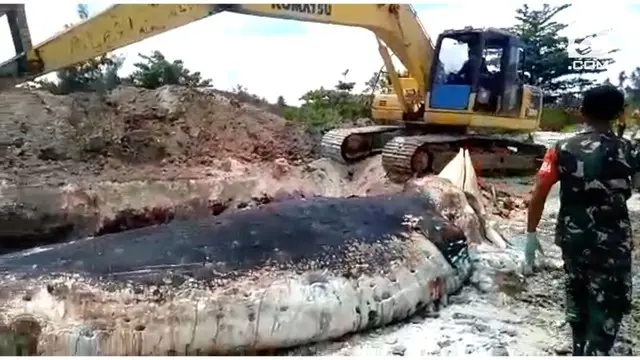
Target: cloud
<point>272,57</point>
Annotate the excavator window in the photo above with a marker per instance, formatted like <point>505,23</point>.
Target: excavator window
<point>506,87</point>
<point>453,55</point>
<point>519,60</point>
<point>490,76</point>
<point>458,56</point>
<point>493,59</point>
<point>513,80</point>
<point>493,82</point>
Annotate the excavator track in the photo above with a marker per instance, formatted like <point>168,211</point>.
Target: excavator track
<point>425,154</point>
<point>354,144</point>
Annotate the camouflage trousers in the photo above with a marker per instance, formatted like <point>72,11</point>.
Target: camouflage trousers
<point>597,300</point>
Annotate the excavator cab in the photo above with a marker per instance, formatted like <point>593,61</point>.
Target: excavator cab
<point>481,71</point>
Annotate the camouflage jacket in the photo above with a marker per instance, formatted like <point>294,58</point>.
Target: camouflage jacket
<point>595,171</point>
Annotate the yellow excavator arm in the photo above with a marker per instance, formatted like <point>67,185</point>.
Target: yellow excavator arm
<point>116,27</point>
<point>396,25</point>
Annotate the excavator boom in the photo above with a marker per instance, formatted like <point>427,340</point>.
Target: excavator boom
<point>116,27</point>
<point>124,24</point>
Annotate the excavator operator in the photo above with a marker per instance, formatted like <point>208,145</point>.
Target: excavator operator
<point>465,71</point>
<point>485,78</point>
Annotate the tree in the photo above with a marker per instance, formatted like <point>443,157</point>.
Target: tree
<point>379,81</point>
<point>345,86</point>
<point>83,11</point>
<point>632,89</point>
<point>281,102</point>
<point>323,109</point>
<point>155,71</point>
<point>547,59</point>
<point>622,78</point>
<point>94,75</point>
<point>98,74</point>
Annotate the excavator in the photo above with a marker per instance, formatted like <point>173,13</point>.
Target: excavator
<point>467,90</point>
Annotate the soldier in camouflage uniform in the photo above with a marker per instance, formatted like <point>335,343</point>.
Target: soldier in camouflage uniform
<point>596,170</point>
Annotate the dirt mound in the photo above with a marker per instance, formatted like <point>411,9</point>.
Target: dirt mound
<point>83,164</point>
<point>55,137</point>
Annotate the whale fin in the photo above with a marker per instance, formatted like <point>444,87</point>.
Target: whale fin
<point>454,170</point>
<point>471,181</point>
<point>461,173</point>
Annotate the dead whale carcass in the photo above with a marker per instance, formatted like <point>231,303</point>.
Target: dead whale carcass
<point>279,276</point>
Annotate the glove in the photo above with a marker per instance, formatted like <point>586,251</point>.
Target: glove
<point>531,246</point>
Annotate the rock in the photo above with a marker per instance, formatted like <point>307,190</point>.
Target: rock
<point>509,332</point>
<point>398,350</point>
<point>562,349</point>
<point>432,315</point>
<point>469,349</point>
<point>96,144</point>
<point>481,328</point>
<point>52,153</point>
<point>281,168</point>
<point>499,350</point>
<point>461,316</point>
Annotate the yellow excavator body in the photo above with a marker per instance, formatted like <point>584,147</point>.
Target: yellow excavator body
<point>425,116</point>
<point>386,107</point>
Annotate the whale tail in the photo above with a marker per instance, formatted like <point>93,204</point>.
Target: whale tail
<point>461,173</point>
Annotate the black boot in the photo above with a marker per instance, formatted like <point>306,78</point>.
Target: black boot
<point>578,348</point>
<point>578,334</point>
<point>594,348</point>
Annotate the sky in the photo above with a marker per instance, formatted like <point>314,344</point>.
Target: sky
<point>272,57</point>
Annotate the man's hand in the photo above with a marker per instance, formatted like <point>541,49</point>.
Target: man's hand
<point>531,246</point>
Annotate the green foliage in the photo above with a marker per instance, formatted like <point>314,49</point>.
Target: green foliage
<point>323,109</point>
<point>83,11</point>
<point>631,86</point>
<point>547,59</point>
<point>94,75</point>
<point>558,119</point>
<point>378,82</point>
<point>155,71</point>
